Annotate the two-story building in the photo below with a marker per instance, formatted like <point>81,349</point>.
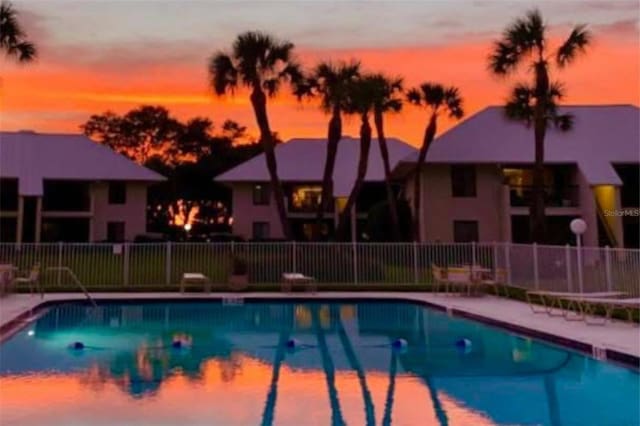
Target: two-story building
<point>300,168</point>
<point>477,181</point>
<point>65,187</point>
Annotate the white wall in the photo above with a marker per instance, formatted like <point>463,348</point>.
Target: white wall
<point>441,209</point>
<point>133,212</point>
<point>245,212</point>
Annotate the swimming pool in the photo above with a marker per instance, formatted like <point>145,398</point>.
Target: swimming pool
<point>297,363</point>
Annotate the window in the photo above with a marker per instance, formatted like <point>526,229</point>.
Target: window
<point>261,194</point>
<point>465,231</point>
<point>463,181</point>
<point>260,230</point>
<point>115,232</point>
<point>117,193</point>
<point>305,198</point>
<point>66,196</point>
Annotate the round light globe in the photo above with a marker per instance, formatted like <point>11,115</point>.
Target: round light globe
<point>187,227</point>
<point>578,226</point>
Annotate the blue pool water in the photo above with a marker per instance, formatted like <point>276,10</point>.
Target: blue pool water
<point>298,363</point>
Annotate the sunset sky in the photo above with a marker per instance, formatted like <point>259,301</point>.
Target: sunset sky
<point>115,55</point>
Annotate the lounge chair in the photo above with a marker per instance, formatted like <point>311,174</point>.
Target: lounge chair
<point>439,278</point>
<point>499,280</point>
<point>32,279</point>
<point>587,307</point>
<point>553,300</point>
<point>460,277</point>
<point>289,279</point>
<point>195,278</point>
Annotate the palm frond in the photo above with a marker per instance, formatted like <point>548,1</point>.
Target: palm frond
<point>519,106</point>
<point>563,122</point>
<point>12,36</point>
<point>271,86</point>
<point>433,94</point>
<point>556,91</point>
<point>576,43</point>
<point>414,96</point>
<point>223,74</point>
<point>453,101</point>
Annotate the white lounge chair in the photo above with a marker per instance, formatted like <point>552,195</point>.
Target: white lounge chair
<point>195,278</point>
<point>289,279</point>
<point>587,306</point>
<point>552,301</point>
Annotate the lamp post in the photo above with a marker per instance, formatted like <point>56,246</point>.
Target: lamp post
<point>578,226</point>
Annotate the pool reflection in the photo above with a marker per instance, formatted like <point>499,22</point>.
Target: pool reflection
<point>237,369</point>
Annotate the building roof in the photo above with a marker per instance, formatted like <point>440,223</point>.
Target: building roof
<point>302,160</point>
<point>602,135</point>
<point>32,157</point>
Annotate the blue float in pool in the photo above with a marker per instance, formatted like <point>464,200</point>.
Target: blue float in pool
<point>464,345</point>
<point>399,344</point>
<point>77,346</point>
<point>292,343</point>
<point>177,344</point>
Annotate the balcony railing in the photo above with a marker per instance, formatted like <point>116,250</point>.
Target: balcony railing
<point>521,196</point>
<point>307,205</point>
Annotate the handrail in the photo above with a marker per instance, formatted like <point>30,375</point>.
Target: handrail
<point>76,280</point>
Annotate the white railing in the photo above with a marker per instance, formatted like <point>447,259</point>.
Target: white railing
<point>161,265</point>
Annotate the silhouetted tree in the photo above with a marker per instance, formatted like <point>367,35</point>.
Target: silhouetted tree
<point>329,82</point>
<point>436,99</point>
<point>525,41</point>
<point>360,102</point>
<point>262,64</point>
<point>13,39</point>
<point>385,100</point>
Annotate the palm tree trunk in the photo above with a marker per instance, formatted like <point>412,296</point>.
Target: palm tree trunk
<point>259,103</point>
<point>270,405</point>
<point>538,222</point>
<point>384,153</point>
<point>429,134</point>
<point>363,162</point>
<point>329,369</point>
<point>391,390</point>
<point>357,366</point>
<point>334,135</point>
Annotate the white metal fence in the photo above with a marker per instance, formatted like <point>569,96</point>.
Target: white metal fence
<point>135,266</point>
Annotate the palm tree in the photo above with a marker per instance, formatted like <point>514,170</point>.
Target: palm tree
<point>361,95</point>
<point>12,37</point>
<point>262,64</point>
<point>436,99</point>
<point>526,41</point>
<point>385,100</point>
<point>329,81</point>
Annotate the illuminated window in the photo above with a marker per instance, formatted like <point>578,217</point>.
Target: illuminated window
<point>261,194</point>
<point>306,198</point>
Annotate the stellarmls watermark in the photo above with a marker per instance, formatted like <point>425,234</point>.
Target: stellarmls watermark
<point>631,211</point>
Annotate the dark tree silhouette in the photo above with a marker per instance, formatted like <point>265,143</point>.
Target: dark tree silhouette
<point>436,99</point>
<point>13,39</point>
<point>525,42</point>
<point>329,82</point>
<point>262,64</point>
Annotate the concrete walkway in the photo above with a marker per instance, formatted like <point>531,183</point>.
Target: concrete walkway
<point>618,336</point>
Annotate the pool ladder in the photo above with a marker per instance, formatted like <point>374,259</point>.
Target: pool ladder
<point>76,281</point>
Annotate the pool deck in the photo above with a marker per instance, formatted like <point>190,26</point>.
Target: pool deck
<point>621,341</point>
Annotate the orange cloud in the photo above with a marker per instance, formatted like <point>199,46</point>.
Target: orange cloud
<point>56,95</point>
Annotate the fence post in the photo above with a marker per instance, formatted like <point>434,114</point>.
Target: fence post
<point>495,259</point>
<point>293,256</point>
<point>607,265</point>
<point>59,263</point>
<point>536,280</point>
<point>125,268</point>
<point>355,262</point>
<point>474,256</point>
<point>567,261</point>
<point>507,261</point>
<point>167,266</point>
<point>416,273</point>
